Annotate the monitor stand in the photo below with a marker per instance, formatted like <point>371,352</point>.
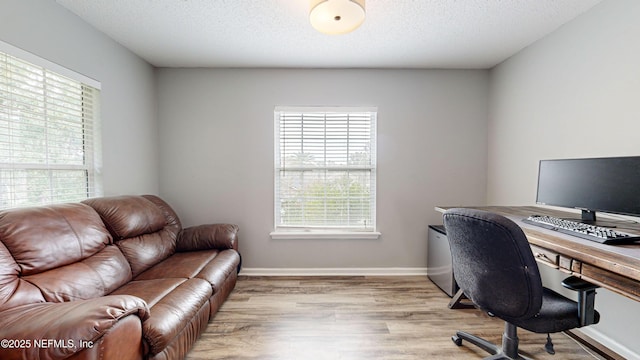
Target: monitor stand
<point>589,217</point>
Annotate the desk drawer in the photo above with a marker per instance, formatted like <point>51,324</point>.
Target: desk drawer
<point>545,256</point>
<point>618,283</point>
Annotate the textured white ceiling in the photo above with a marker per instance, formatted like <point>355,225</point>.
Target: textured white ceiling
<point>467,34</point>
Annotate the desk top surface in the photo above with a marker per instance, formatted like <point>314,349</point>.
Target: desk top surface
<point>619,259</point>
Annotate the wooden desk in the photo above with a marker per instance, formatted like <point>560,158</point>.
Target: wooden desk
<point>614,267</point>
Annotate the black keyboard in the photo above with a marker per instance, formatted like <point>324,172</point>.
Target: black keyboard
<point>590,232</point>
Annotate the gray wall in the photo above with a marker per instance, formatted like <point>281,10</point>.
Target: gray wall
<point>128,103</point>
<point>217,134</point>
<point>575,93</point>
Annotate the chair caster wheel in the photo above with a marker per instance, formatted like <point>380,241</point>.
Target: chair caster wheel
<point>456,340</point>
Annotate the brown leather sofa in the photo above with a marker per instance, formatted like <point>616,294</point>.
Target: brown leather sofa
<point>109,278</point>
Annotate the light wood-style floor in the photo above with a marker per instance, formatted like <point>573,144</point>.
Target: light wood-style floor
<point>353,318</point>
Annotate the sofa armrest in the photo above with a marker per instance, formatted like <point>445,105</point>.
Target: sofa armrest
<point>58,330</point>
<point>210,236</point>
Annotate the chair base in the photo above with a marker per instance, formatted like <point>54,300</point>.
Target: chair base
<point>508,351</point>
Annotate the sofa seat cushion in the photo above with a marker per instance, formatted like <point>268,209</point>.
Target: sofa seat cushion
<point>184,265</point>
<point>218,270</point>
<point>173,302</point>
<point>214,266</point>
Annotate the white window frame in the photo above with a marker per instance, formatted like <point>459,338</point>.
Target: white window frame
<point>88,122</point>
<point>302,231</point>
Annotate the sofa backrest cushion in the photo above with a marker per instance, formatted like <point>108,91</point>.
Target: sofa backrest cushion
<point>93,277</point>
<point>13,290</point>
<point>43,238</point>
<point>145,228</point>
<point>57,253</point>
<point>128,216</point>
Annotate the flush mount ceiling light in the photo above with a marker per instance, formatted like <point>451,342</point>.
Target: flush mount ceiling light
<point>336,16</point>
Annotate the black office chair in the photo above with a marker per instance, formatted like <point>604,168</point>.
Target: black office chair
<point>494,266</point>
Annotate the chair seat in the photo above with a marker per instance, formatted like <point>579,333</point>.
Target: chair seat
<point>556,314</point>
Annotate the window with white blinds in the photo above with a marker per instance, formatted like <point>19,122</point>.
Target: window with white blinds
<point>325,169</point>
<point>47,131</point>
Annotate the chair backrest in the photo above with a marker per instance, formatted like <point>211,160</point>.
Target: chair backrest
<point>493,263</point>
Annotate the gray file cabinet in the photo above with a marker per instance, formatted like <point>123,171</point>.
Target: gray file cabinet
<point>439,268</point>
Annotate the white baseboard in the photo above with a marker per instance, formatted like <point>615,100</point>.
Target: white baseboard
<point>609,343</point>
<point>333,271</point>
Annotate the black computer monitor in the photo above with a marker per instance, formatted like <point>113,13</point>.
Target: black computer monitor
<point>609,185</point>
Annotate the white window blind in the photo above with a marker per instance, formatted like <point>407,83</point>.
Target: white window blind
<point>325,168</point>
<point>48,127</point>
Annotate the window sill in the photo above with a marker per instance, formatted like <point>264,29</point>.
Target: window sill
<point>320,235</point>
